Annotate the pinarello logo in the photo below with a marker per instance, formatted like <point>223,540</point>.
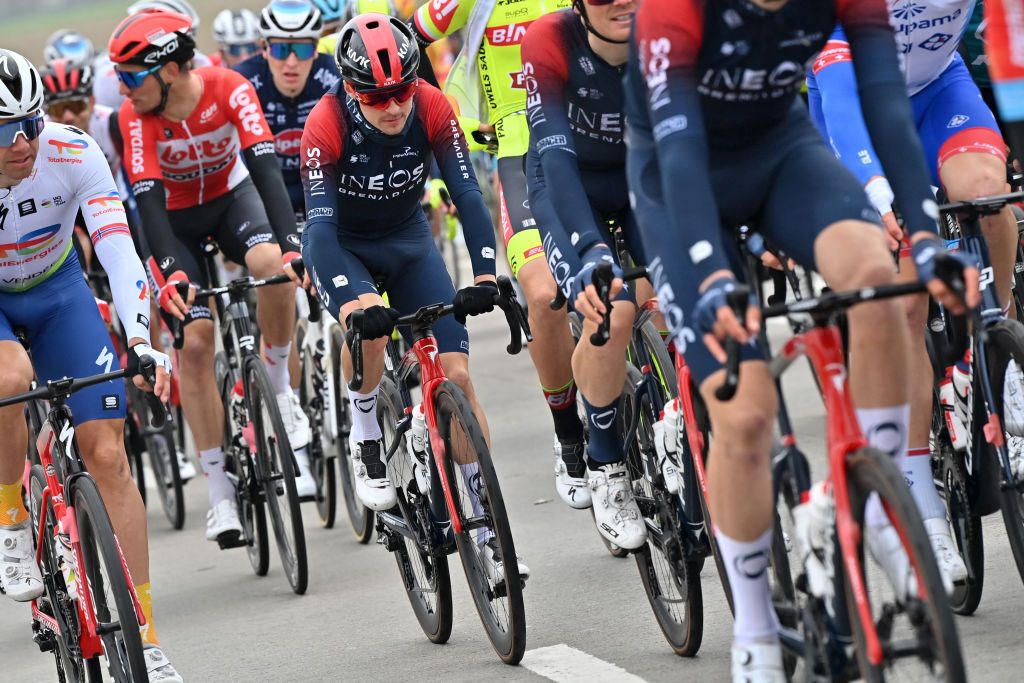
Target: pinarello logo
<point>76,146</point>
<point>512,34</point>
<point>288,143</point>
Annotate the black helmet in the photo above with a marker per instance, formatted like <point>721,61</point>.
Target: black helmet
<point>377,51</point>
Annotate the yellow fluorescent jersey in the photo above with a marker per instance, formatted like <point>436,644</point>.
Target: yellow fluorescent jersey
<point>499,62</point>
<point>328,43</point>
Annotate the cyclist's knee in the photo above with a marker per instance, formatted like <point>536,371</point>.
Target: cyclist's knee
<point>970,176</point>
<point>107,460</point>
<point>375,348</point>
<point>460,375</point>
<point>198,349</point>
<point>264,260</point>
<point>744,432</point>
<point>15,370</point>
<point>537,283</point>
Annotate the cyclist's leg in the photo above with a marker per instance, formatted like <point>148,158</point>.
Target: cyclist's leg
<point>15,377</point>
<point>552,347</point>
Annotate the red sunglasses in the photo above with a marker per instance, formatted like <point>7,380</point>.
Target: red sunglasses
<point>379,99</point>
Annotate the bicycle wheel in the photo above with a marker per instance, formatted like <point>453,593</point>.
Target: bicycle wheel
<point>359,516</point>
<point>321,450</point>
<point>66,652</point>
<point>964,523</point>
<point>1006,346</point>
<point>423,561</point>
<point>163,461</point>
<point>276,466</point>
<point>918,635</point>
<point>671,580</point>
<point>481,510</point>
<point>113,606</point>
<point>133,446</point>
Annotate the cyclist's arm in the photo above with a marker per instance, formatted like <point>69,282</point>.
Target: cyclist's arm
<point>261,159</point>
<point>452,154</point>
<point>111,238</point>
<point>439,18</point>
<point>886,108</point>
<point>547,112</point>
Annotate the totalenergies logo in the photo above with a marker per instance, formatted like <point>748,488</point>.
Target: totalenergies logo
<point>112,199</point>
<point>35,241</point>
<point>76,146</point>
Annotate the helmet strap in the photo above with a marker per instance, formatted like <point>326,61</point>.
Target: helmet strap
<point>580,6</point>
<point>165,91</point>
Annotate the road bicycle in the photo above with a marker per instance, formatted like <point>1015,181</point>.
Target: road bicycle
<point>449,498</point>
<point>89,608</point>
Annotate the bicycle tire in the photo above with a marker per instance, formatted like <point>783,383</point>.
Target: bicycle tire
<point>35,416</point>
<point>360,517</point>
<point>965,525</point>
<point>163,462</point>
<point>133,446</point>
<point>1006,344</point>
<point>508,637</point>
<point>870,471</point>
<point>321,461</point>
<point>122,645</point>
<point>277,468</point>
<point>424,573</point>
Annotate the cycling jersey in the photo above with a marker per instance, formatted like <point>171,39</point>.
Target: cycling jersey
<point>927,35</point>
<point>1006,60</point>
<point>501,89</point>
<point>287,115</point>
<point>197,159</point>
<point>37,219</point>
<point>717,137</point>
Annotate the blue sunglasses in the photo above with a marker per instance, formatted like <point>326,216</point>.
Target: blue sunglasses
<point>133,79</point>
<point>244,49</point>
<point>30,127</point>
<point>303,51</point>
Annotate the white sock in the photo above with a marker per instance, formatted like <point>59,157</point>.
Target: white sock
<point>302,458</point>
<point>746,563</point>
<point>917,468</point>
<point>220,487</point>
<point>275,358</point>
<point>470,474</point>
<point>886,430</point>
<point>364,415</point>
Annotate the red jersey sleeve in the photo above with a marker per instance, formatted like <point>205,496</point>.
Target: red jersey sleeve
<point>243,105</point>
<point>320,151</point>
<point>140,160</point>
<point>669,33</point>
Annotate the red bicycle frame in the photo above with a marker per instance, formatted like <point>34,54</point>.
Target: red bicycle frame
<point>89,639</point>
<point>694,435</point>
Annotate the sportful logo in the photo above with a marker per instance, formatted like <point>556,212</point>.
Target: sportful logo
<point>34,242</point>
<point>76,146</point>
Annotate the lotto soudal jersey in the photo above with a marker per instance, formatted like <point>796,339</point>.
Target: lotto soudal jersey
<point>287,115</point>
<point>197,159</point>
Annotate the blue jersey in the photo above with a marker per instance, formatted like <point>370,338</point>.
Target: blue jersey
<point>287,115</point>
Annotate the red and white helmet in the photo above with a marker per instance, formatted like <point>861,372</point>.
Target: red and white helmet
<point>377,51</point>
<point>151,38</point>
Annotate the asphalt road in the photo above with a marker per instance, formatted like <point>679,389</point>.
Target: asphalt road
<point>588,618</point>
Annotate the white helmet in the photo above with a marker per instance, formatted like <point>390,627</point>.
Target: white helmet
<point>21,88</point>
<point>179,6</point>
<point>291,19</point>
<point>236,27</point>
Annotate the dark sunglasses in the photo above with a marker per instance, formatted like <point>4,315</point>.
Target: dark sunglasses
<point>379,99</point>
<point>302,51</point>
<point>133,79</point>
<point>241,50</point>
<point>30,127</point>
<point>76,106</point>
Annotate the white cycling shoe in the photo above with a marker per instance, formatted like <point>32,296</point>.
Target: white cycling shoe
<point>305,485</point>
<point>615,511</point>
<point>296,423</point>
<point>158,668</point>
<point>494,565</point>
<point>758,663</point>
<point>373,488</point>
<point>571,475</point>
<point>951,565</point>
<point>186,470</point>
<point>19,573</point>
<point>222,522</point>
<point>887,550</point>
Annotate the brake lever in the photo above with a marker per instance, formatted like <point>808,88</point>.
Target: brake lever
<point>354,339</point>
<point>737,300</point>
<point>157,411</point>
<point>603,276</point>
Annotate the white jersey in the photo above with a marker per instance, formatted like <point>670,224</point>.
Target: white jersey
<point>106,86</point>
<point>927,34</point>
<point>37,222</point>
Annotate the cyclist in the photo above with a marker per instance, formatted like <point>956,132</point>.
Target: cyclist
<point>68,44</point>
<point>572,66</point>
<point>42,292</point>
<point>1006,57</point>
<point>496,56</point>
<point>290,78</point>
<point>200,157</point>
<point>330,14</point>
<point>966,156</point>
<point>717,139</point>
<point>237,33</point>
<point>366,150</point>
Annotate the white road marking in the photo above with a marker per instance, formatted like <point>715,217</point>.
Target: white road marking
<point>565,664</point>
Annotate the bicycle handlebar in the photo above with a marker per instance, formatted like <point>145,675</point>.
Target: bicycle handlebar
<point>603,278</point>
<point>738,300</point>
<point>983,206</point>
<point>299,267</point>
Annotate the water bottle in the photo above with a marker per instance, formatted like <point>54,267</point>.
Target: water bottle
<point>66,561</point>
<point>666,438</point>
<point>416,445</point>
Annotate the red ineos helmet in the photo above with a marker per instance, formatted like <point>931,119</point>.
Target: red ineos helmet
<point>151,38</point>
<point>64,79</point>
<point>376,52</point>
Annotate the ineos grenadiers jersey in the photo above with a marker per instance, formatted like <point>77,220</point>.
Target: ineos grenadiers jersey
<point>368,184</point>
<point>198,159</point>
<point>287,115</point>
<point>37,221</point>
<point>574,108</point>
<point>712,77</point>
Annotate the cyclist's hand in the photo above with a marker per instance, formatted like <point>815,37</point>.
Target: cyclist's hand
<point>757,247</point>
<point>162,385</point>
<point>378,321</point>
<point>586,299</point>
<point>171,301</point>
<point>286,263</point>
<point>893,231</point>
<point>474,300</point>
<point>932,258</point>
<point>716,320</point>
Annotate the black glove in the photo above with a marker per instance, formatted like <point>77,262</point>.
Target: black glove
<point>378,322</point>
<point>474,300</point>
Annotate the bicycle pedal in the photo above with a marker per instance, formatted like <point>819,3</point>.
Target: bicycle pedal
<point>231,539</point>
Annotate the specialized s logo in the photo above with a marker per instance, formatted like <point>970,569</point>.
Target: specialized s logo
<point>76,146</point>
<point>248,110</point>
